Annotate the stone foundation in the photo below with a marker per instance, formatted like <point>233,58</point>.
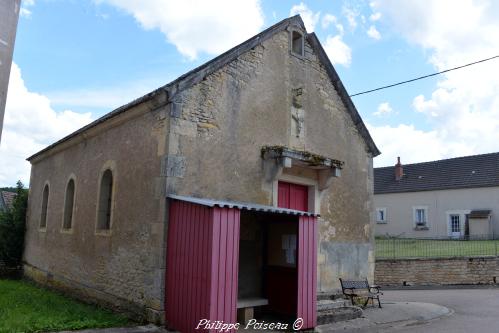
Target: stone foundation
<point>90,295</point>
<point>437,271</point>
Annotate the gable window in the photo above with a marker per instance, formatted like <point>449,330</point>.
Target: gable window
<point>297,43</point>
<point>45,202</point>
<point>105,201</point>
<point>381,215</point>
<point>421,217</point>
<point>68,205</point>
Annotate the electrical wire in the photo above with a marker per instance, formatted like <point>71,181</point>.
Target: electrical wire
<point>423,77</point>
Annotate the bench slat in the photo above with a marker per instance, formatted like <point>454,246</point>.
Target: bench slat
<point>251,302</point>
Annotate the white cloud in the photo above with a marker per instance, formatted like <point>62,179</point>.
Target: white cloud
<point>25,12</point>
<point>30,124</point>
<point>337,51</point>
<point>412,145</point>
<point>375,17</point>
<point>309,17</point>
<point>463,110</point>
<point>373,33</point>
<point>351,16</point>
<point>383,109</point>
<point>197,26</point>
<point>329,19</point>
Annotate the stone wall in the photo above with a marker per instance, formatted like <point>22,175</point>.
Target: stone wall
<point>123,266</point>
<point>220,124</point>
<point>438,271</point>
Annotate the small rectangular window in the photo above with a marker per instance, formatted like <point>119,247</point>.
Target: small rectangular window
<point>297,43</point>
<point>420,216</point>
<point>455,221</point>
<point>381,215</point>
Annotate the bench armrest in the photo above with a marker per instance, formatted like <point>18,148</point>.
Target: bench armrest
<point>349,291</point>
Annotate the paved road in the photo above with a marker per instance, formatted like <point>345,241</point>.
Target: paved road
<point>475,310</point>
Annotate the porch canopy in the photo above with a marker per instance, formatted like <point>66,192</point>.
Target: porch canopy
<point>203,258</point>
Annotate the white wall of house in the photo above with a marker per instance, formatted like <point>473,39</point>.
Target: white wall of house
<point>400,210</point>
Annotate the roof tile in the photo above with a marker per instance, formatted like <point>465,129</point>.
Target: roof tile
<point>453,173</point>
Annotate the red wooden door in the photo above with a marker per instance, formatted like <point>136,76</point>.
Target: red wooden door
<point>293,196</point>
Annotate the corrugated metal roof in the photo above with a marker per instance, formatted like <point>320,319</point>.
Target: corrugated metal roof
<point>240,205</point>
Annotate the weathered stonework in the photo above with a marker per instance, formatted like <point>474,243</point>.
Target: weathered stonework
<point>438,271</point>
<point>203,139</point>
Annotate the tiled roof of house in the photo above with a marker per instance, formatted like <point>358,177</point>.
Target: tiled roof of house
<point>7,198</point>
<point>453,173</point>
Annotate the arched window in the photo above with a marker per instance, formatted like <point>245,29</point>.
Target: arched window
<point>45,202</point>
<point>105,200</point>
<point>68,205</point>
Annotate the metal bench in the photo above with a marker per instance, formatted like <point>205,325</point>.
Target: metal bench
<point>245,308</point>
<point>359,289</point>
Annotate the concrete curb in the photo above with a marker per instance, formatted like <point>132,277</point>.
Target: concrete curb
<point>440,287</point>
<point>393,314</point>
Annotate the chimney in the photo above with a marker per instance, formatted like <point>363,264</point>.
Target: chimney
<point>399,171</point>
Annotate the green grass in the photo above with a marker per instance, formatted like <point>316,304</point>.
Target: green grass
<point>25,307</point>
<point>425,248</point>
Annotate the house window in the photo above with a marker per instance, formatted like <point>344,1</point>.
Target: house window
<point>45,201</point>
<point>455,223</point>
<point>381,215</point>
<point>420,216</point>
<point>105,201</point>
<point>68,205</point>
<point>297,43</point>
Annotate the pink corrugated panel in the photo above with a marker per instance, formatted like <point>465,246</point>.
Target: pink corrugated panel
<point>202,265</point>
<point>307,271</point>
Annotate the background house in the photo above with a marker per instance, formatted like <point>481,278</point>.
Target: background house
<point>6,199</point>
<point>155,206</point>
<point>455,197</point>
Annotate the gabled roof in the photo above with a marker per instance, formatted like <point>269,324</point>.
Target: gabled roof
<point>198,74</point>
<point>453,173</point>
<point>7,198</point>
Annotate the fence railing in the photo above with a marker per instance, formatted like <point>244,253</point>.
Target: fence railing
<point>395,248</point>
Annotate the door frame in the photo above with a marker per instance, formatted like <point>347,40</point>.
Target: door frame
<point>462,218</point>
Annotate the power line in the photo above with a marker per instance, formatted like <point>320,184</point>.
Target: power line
<point>423,77</point>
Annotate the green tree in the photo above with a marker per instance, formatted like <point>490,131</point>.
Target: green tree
<point>12,228</point>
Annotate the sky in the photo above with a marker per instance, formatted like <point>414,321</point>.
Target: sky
<point>75,60</point>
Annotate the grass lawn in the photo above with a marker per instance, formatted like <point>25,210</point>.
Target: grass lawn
<point>25,307</point>
<point>426,248</point>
